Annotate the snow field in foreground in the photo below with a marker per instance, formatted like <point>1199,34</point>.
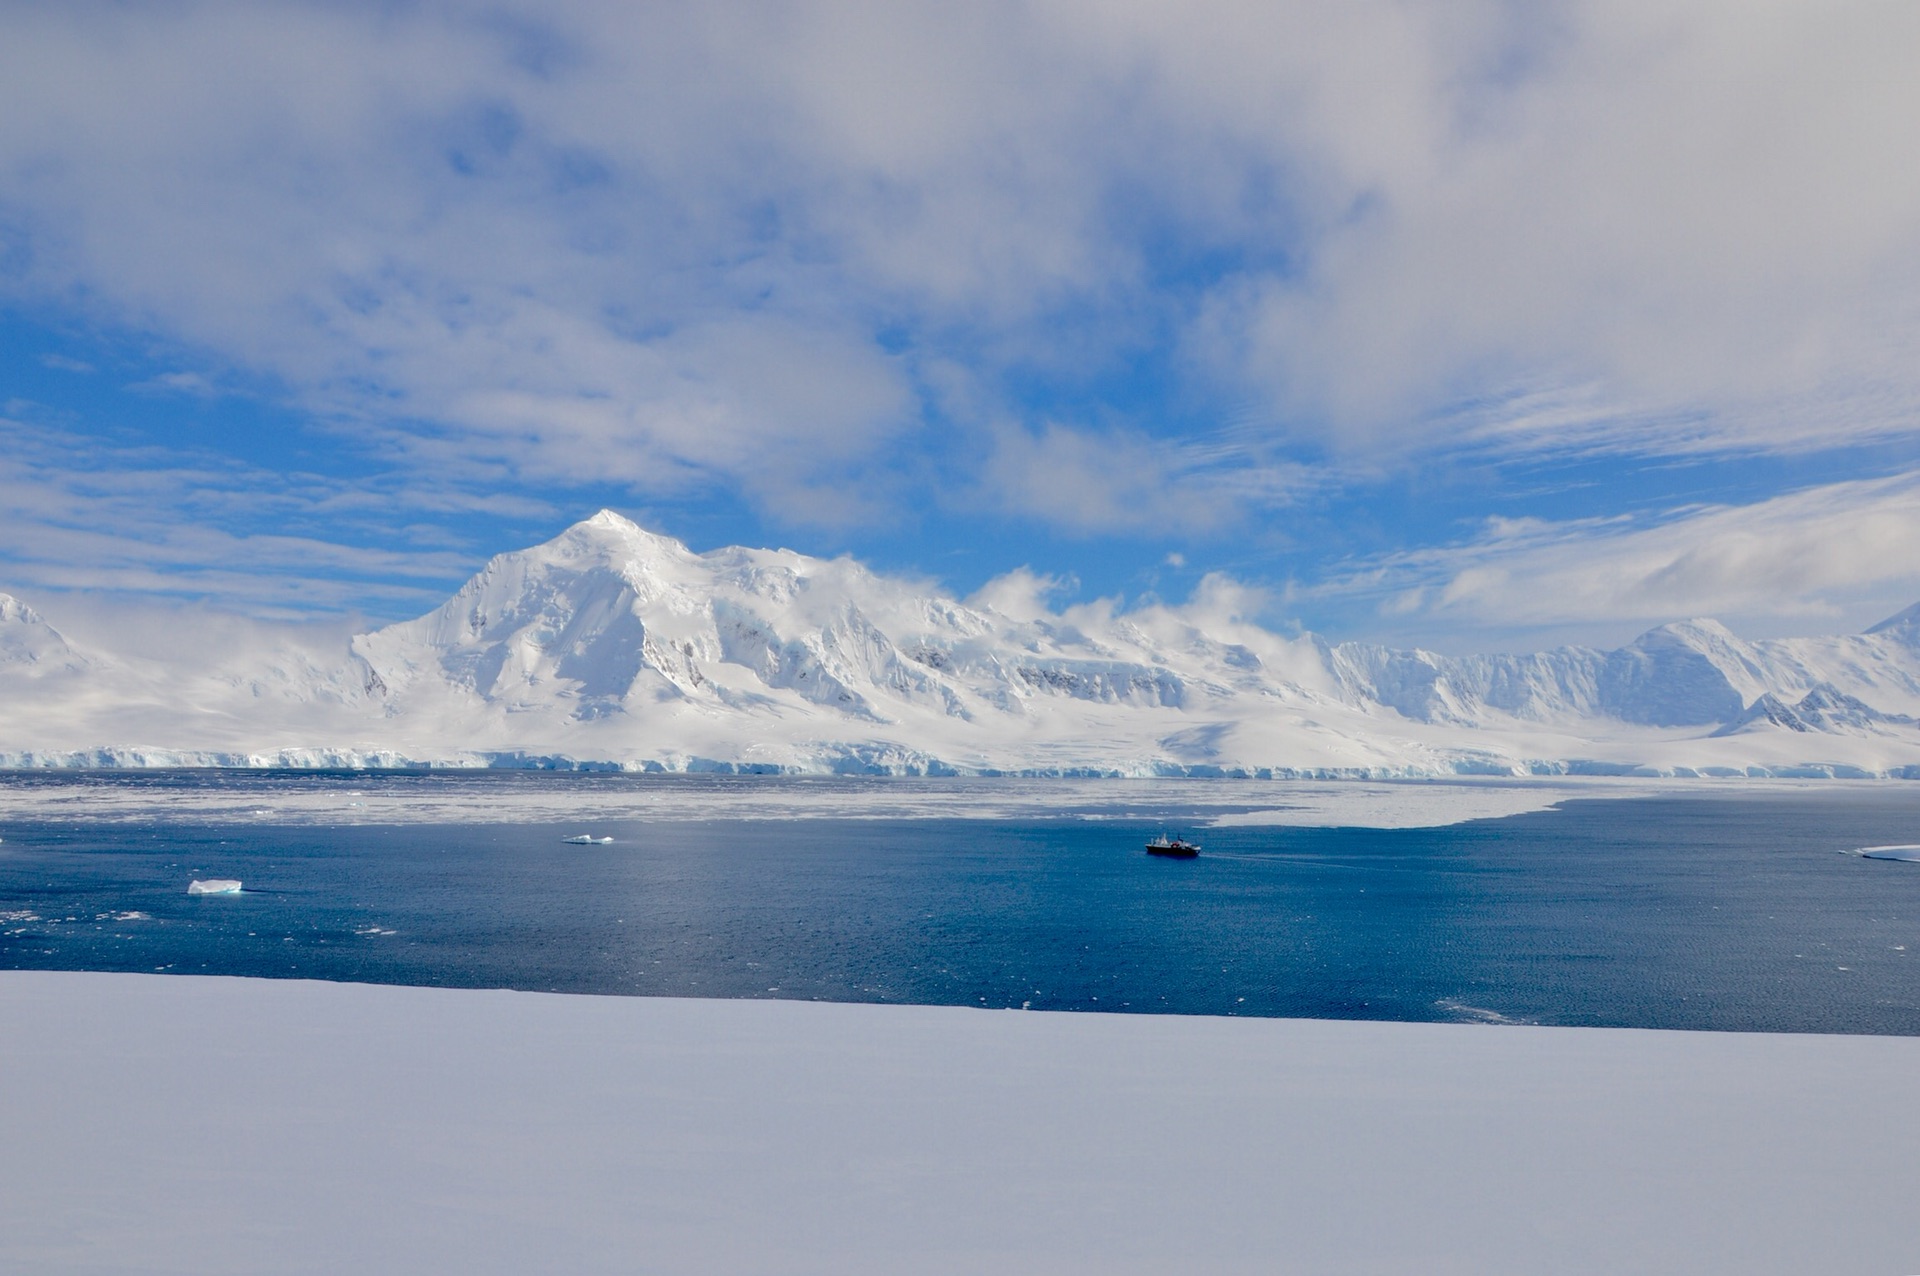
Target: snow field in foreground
<point>178,1124</point>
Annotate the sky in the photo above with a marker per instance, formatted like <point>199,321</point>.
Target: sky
<point>1479,325</point>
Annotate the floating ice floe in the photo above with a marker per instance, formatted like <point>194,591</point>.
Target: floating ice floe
<point>214,886</point>
<point>1476,1014</point>
<point>1910,853</point>
<point>587,839</point>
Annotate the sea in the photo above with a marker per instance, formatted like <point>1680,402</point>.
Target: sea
<point>1750,911</point>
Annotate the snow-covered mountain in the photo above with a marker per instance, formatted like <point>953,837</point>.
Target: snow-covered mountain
<point>611,645</point>
<point>29,646</point>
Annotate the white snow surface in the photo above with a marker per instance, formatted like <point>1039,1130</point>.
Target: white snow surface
<point>406,1130</point>
<point>459,797</point>
<point>613,646</point>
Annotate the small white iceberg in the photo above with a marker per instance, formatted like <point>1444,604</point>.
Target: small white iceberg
<point>587,839</point>
<point>215,886</point>
<point>1909,853</point>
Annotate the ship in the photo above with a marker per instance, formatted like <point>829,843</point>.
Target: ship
<point>1172,847</point>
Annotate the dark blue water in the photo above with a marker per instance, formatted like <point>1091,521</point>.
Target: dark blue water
<point>1690,912</point>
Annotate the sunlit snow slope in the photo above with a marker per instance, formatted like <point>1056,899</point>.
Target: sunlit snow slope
<point>614,646</point>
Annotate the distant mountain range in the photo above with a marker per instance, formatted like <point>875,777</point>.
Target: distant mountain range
<point>612,646</point>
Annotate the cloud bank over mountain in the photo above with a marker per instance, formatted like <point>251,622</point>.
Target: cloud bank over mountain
<point>613,646</point>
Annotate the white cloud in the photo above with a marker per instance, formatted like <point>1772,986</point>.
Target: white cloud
<point>77,515</point>
<point>1020,594</point>
<point>1124,481</point>
<point>1837,554</point>
<point>1688,214</point>
<point>187,383</point>
<point>390,213</point>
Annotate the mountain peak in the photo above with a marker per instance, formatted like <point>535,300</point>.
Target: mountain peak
<point>608,532</point>
<point>12,608</point>
<point>1694,632</point>
<point>26,639</point>
<point>1904,624</point>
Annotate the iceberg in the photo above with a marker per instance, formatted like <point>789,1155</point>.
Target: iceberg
<point>587,839</point>
<point>214,886</point>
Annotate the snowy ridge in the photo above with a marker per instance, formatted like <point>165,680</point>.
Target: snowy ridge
<point>614,647</point>
<point>29,644</point>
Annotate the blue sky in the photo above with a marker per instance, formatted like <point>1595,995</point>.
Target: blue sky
<point>1484,325</point>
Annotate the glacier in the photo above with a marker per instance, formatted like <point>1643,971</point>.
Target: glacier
<point>613,647</point>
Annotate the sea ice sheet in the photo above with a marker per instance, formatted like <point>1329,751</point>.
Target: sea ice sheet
<point>529,798</point>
